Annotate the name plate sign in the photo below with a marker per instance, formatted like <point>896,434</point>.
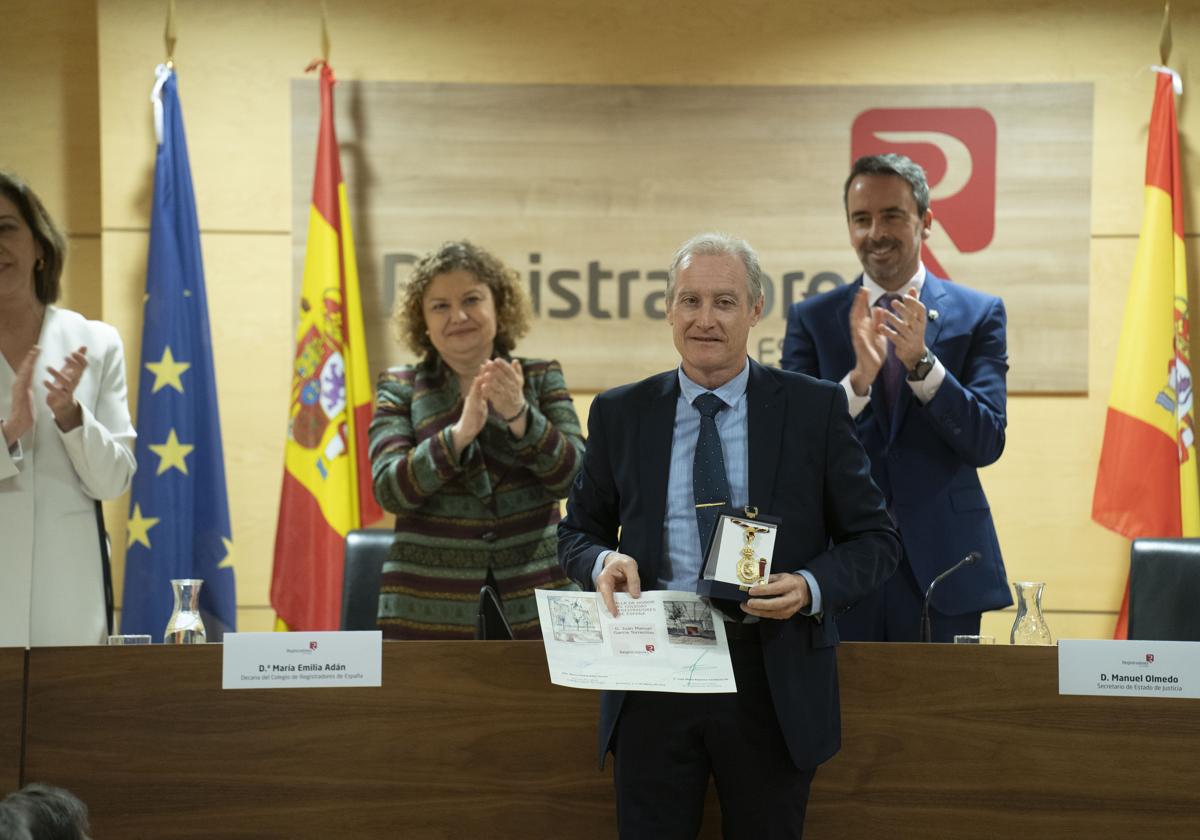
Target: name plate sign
<point>1129,668</point>
<point>302,660</point>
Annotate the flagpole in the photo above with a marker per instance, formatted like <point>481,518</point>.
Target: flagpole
<point>325,33</point>
<point>169,34</point>
<point>1164,35</point>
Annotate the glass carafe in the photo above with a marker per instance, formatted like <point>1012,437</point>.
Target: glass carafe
<point>1030,625</point>
<point>186,627</point>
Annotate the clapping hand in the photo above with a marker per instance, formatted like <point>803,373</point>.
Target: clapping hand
<point>21,411</point>
<point>904,326</point>
<point>474,416</point>
<point>60,390</point>
<point>503,386</point>
<point>870,345</point>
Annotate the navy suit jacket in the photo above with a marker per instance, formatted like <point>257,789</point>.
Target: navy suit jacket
<point>805,466</point>
<point>925,458</point>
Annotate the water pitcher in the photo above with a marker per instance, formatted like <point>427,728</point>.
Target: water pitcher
<point>185,627</point>
<point>1030,627</point>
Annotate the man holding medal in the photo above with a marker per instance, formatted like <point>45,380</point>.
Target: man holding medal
<point>664,457</point>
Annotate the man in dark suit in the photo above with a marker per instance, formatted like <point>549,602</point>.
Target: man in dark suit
<point>782,443</point>
<point>922,361</point>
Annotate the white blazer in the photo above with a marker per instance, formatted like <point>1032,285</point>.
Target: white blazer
<point>51,582</point>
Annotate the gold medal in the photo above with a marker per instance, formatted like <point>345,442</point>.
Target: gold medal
<point>749,570</point>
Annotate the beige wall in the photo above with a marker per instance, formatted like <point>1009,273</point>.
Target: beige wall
<point>50,107</point>
<point>236,60</point>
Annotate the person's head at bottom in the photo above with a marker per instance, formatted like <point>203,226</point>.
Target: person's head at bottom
<point>12,824</point>
<point>44,812</point>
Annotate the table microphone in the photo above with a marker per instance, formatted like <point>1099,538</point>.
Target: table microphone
<point>926,633</point>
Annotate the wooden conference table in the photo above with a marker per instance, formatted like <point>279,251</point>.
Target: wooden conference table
<point>470,739</point>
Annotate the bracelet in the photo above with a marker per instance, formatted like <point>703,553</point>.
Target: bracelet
<point>518,415</point>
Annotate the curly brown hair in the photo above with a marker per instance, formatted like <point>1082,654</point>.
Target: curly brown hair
<point>513,312</point>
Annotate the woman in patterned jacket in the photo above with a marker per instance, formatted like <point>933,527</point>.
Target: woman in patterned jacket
<point>471,449</point>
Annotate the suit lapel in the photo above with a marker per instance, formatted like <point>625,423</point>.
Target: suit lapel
<point>50,339</point>
<point>656,434</point>
<point>933,295</point>
<point>765,426</point>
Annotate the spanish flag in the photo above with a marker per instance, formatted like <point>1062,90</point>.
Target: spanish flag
<point>1146,485</point>
<point>327,475</point>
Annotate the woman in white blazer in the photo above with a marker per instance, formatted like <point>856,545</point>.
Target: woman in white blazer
<point>68,440</point>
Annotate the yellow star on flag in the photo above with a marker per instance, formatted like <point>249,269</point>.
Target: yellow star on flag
<point>171,454</point>
<point>227,563</point>
<point>167,372</point>
<point>138,529</point>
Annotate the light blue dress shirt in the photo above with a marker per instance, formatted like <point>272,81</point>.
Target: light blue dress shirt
<point>682,551</point>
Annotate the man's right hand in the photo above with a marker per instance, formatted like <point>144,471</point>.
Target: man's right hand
<point>620,574</point>
<point>870,347</point>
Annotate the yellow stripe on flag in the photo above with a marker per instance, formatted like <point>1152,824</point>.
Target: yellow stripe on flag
<point>1141,382</point>
<point>314,453</point>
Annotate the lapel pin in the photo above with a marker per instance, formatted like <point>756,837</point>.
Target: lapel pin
<point>933,314</point>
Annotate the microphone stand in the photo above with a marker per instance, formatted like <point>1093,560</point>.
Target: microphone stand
<point>926,631</point>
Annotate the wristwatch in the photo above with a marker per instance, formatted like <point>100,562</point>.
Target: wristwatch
<point>923,366</point>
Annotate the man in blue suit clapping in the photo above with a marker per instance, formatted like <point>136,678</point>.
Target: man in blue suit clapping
<point>923,364</point>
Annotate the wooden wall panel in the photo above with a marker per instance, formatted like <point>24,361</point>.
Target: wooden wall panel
<point>50,102</point>
<point>587,190</point>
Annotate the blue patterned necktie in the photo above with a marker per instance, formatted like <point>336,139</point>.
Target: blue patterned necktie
<point>892,374</point>
<point>710,485</point>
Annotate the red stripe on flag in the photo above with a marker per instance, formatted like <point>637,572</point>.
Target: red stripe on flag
<point>1137,485</point>
<point>329,168</point>
<point>306,583</point>
<point>1121,630</point>
<point>1162,149</point>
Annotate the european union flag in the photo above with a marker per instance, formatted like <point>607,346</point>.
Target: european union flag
<point>178,509</point>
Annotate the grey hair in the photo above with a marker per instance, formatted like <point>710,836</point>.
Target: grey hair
<point>715,244</point>
<point>891,164</point>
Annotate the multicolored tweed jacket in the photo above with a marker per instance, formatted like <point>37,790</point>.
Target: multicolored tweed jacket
<point>497,509</point>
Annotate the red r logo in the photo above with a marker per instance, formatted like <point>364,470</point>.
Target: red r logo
<point>957,149</point>
<point>312,645</point>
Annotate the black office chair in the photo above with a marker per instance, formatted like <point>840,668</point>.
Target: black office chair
<point>1164,590</point>
<point>490,622</point>
<point>366,549</point>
